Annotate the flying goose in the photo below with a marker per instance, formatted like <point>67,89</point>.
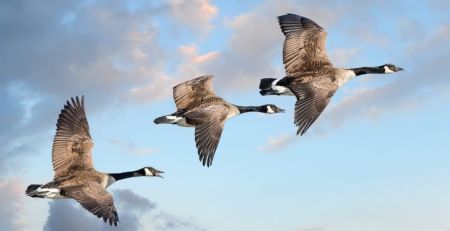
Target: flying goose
<point>75,176</point>
<point>310,75</point>
<point>198,106</point>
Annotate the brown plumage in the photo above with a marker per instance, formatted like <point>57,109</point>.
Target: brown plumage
<point>75,176</point>
<point>310,76</point>
<point>304,48</point>
<point>198,106</point>
<point>206,111</point>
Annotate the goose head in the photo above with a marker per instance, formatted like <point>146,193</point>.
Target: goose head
<point>271,109</point>
<point>150,171</point>
<point>390,68</point>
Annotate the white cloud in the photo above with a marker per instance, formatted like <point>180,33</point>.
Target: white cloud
<point>131,147</point>
<point>275,144</point>
<point>102,51</point>
<point>341,56</point>
<point>197,14</point>
<point>135,213</point>
<point>11,199</point>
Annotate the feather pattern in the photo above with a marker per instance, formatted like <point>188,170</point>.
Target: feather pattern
<point>309,105</point>
<point>96,200</point>
<point>209,120</point>
<point>304,48</point>
<point>194,92</point>
<point>72,144</point>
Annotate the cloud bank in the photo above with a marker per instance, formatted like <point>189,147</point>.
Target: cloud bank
<point>135,213</point>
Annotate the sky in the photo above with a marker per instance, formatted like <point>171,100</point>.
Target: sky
<point>378,158</point>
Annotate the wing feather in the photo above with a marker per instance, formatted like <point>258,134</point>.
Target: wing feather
<point>209,122</point>
<point>310,103</point>
<point>193,92</point>
<point>96,200</point>
<point>304,48</point>
<point>72,144</point>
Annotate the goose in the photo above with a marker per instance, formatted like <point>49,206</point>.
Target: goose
<point>311,77</point>
<point>198,106</point>
<point>75,176</point>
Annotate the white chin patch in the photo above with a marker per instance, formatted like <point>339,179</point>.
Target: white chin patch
<point>147,172</point>
<point>387,70</point>
<point>270,110</point>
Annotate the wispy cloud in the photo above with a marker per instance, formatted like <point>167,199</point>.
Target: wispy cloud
<point>12,203</point>
<point>278,143</point>
<point>131,147</point>
<point>342,56</point>
<point>407,91</point>
<point>196,14</point>
<point>105,51</point>
<point>135,213</point>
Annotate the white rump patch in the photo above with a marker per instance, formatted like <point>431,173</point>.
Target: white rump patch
<point>173,118</point>
<point>178,120</point>
<point>53,193</point>
<point>274,83</point>
<point>282,90</point>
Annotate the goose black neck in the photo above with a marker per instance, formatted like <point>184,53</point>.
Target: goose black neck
<point>368,70</point>
<point>125,175</point>
<point>244,109</point>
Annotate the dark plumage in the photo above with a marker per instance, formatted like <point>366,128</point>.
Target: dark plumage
<point>198,106</point>
<point>310,76</point>
<point>75,176</point>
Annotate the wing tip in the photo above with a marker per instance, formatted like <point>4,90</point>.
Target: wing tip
<point>206,159</point>
<point>204,78</point>
<point>112,219</point>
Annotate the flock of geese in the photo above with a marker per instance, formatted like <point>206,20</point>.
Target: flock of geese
<point>310,77</point>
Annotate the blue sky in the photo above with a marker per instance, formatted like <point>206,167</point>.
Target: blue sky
<point>376,159</point>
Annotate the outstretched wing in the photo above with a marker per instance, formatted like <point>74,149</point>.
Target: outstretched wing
<point>304,47</point>
<point>96,200</point>
<point>193,92</point>
<point>72,144</point>
<point>311,101</point>
<point>209,122</point>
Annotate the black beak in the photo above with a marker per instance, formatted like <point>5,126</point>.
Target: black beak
<point>281,110</point>
<point>399,69</point>
<point>157,173</point>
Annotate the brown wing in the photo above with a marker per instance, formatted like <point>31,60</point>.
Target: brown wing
<point>72,144</point>
<point>311,101</point>
<point>95,200</point>
<point>209,121</point>
<point>304,47</point>
<point>191,93</point>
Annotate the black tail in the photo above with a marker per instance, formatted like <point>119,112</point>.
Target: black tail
<point>161,120</point>
<point>31,188</point>
<point>266,83</point>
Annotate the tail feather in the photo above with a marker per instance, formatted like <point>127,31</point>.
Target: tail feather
<point>269,91</point>
<point>31,189</point>
<point>162,120</point>
<point>266,83</point>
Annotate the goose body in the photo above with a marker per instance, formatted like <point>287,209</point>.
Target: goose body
<point>198,106</point>
<point>311,77</point>
<point>75,176</point>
